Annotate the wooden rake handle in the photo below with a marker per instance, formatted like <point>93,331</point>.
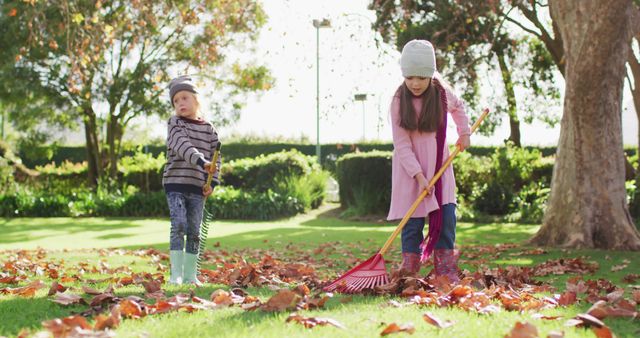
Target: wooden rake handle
<point>214,162</point>
<point>432,182</point>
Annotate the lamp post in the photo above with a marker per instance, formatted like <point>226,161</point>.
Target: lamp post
<point>362,98</point>
<point>324,23</point>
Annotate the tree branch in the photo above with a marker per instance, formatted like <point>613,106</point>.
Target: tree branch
<point>529,30</point>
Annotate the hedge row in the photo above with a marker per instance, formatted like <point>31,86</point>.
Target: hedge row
<point>280,184</point>
<point>512,181</point>
<point>232,151</point>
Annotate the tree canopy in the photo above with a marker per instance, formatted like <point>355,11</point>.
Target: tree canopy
<point>106,63</point>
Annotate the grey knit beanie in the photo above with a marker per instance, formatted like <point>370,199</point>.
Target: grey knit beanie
<point>183,82</point>
<point>418,59</point>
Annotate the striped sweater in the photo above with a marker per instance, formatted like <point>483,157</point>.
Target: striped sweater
<point>190,144</point>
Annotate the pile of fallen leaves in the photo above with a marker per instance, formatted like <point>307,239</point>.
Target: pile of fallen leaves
<point>268,271</point>
<point>486,291</point>
<point>492,291</point>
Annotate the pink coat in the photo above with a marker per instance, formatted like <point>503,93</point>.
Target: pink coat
<point>415,152</point>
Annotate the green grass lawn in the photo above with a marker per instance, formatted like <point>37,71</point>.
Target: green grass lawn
<point>77,240</point>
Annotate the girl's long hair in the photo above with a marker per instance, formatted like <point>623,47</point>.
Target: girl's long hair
<point>430,116</point>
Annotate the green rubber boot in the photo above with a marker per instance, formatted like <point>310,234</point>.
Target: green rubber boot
<point>176,259</point>
<point>189,275</point>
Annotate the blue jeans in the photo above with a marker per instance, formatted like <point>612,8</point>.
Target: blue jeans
<point>185,210</point>
<point>412,233</point>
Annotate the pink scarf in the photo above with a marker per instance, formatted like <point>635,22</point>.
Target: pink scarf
<point>435,217</point>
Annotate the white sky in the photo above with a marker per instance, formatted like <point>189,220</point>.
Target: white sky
<point>350,63</point>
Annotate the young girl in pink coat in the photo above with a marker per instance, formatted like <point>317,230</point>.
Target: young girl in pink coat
<point>419,124</point>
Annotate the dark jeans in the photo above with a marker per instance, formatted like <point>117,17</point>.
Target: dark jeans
<point>412,233</point>
<point>185,210</point>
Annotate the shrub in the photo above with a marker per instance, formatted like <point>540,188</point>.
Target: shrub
<point>264,172</point>
<point>9,205</point>
<point>231,203</point>
<point>152,204</point>
<point>494,198</point>
<point>24,204</point>
<point>511,168</point>
<point>288,183</point>
<point>470,174</point>
<point>365,182</point>
<point>6,175</point>
<point>143,170</point>
<point>531,203</point>
<point>309,190</point>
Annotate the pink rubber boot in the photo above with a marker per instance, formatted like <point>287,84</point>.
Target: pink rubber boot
<point>445,263</point>
<point>410,263</point>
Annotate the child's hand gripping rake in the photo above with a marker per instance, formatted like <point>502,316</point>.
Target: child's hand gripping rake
<point>372,272</point>
<point>204,228</point>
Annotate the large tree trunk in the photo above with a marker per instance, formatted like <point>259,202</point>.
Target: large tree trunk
<point>587,207</point>
<point>93,145</point>
<point>512,109</point>
<point>114,138</point>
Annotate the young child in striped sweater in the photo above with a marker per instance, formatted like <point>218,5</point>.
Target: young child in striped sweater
<point>191,142</point>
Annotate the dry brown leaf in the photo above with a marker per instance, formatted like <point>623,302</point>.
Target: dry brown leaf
<point>545,317</point>
<point>162,307</point>
<point>103,322</point>
<point>435,321</point>
<point>599,310</point>
<point>101,299</point>
<point>615,296</point>
<point>310,322</point>
<point>602,332</point>
<point>63,327</point>
<point>567,298</point>
<point>151,286</point>
<point>283,300</point>
<point>53,273</point>
<point>9,279</point>
<point>124,281</point>
<point>27,290</point>
<point>315,302</point>
<point>302,290</point>
<point>577,285</point>
<point>250,306</point>
<point>179,298</point>
<point>631,278</point>
<point>68,299</point>
<point>589,320</point>
<point>616,268</point>
<point>206,303</point>
<point>221,297</point>
<point>156,295</point>
<point>55,288</point>
<point>395,328</point>
<point>69,279</point>
<point>90,291</point>
<point>523,330</point>
<point>131,309</point>
<point>191,308</point>
<point>620,311</point>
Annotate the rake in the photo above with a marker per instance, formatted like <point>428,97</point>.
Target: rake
<point>207,217</point>
<point>373,272</point>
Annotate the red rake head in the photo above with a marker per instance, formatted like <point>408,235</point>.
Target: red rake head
<point>366,275</point>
